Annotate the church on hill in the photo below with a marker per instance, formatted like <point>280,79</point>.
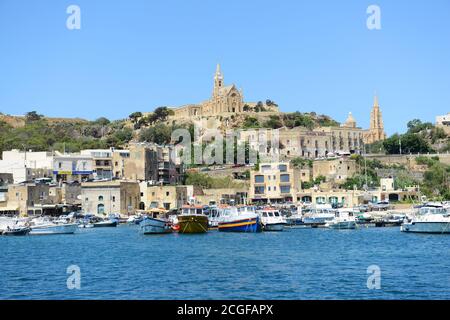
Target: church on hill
<point>225,100</point>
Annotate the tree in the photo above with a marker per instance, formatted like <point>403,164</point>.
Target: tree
<point>32,116</point>
<point>274,122</point>
<point>251,122</point>
<point>102,121</point>
<point>135,116</point>
<point>159,133</point>
<point>410,143</point>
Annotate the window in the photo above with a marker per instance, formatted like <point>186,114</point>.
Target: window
<point>101,209</point>
<point>285,189</point>
<point>167,193</point>
<point>259,190</point>
<point>284,178</point>
<point>268,188</point>
<point>142,194</point>
<point>282,167</point>
<point>114,199</point>
<point>100,198</point>
<point>59,165</point>
<point>259,179</point>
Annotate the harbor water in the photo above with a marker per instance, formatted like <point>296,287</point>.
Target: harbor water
<point>120,263</point>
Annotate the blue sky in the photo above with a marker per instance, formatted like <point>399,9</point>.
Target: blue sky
<point>305,55</point>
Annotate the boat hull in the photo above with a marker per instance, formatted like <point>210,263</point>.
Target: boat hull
<point>16,232</point>
<point>54,229</point>
<point>108,224</point>
<point>241,225</point>
<point>154,226</point>
<point>192,224</point>
<point>274,226</point>
<point>426,227</point>
<point>343,225</point>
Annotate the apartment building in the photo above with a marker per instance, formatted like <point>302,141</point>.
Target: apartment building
<point>274,182</point>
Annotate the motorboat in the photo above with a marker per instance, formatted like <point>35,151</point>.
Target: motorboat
<point>318,215</point>
<point>344,219</point>
<point>271,219</point>
<point>213,217</point>
<point>239,219</point>
<point>16,231</point>
<point>192,220</point>
<point>44,226</point>
<point>429,219</point>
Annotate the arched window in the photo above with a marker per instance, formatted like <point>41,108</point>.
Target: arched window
<point>100,198</point>
<point>101,208</point>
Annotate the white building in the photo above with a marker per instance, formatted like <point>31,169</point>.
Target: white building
<point>72,167</point>
<point>26,165</point>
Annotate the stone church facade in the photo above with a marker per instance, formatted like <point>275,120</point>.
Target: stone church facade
<point>224,100</point>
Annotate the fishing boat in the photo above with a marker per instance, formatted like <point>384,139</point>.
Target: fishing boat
<point>344,219</point>
<point>271,219</point>
<point>16,231</point>
<point>429,219</point>
<point>239,219</point>
<point>192,220</point>
<point>213,217</point>
<point>44,226</point>
<point>154,222</point>
<point>150,225</point>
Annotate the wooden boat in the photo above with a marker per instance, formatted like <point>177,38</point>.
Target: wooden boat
<point>155,223</point>
<point>242,219</point>
<point>192,220</point>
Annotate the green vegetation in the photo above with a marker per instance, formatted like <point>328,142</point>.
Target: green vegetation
<point>410,143</point>
<point>300,162</point>
<point>436,183</point>
<point>251,123</point>
<point>39,134</point>
<point>274,122</point>
<point>207,182</point>
<point>298,119</point>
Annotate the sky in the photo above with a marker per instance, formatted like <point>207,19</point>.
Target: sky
<point>305,55</point>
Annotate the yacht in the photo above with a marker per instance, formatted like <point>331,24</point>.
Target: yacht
<point>429,219</point>
<point>239,219</point>
<point>344,219</point>
<point>44,226</point>
<point>271,219</point>
<point>318,215</point>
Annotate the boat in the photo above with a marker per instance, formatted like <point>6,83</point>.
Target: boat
<point>192,220</point>
<point>16,231</point>
<point>429,219</point>
<point>213,217</point>
<point>344,219</point>
<point>43,226</point>
<point>239,219</point>
<point>391,220</point>
<point>105,224</point>
<point>271,219</point>
<point>150,225</point>
<point>318,215</point>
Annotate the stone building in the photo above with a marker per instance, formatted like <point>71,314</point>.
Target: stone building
<point>334,170</point>
<point>302,142</point>
<point>274,182</point>
<point>167,197</point>
<point>376,131</point>
<point>444,122</point>
<point>225,99</point>
<point>110,197</point>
